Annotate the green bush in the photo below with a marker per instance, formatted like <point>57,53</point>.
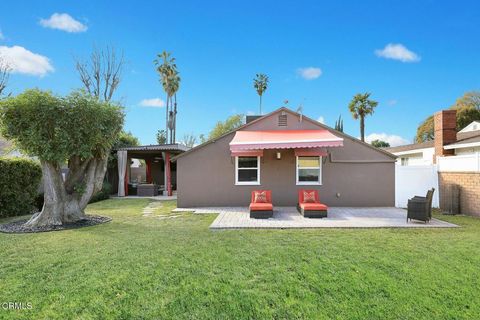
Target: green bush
<point>102,194</point>
<point>19,184</point>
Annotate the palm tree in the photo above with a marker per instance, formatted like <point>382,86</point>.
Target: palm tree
<point>361,106</point>
<point>167,69</point>
<point>260,83</point>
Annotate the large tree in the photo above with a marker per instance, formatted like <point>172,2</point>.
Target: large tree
<point>170,79</point>
<point>360,107</point>
<point>230,124</point>
<point>260,83</point>
<point>101,73</point>
<point>468,110</point>
<point>79,130</point>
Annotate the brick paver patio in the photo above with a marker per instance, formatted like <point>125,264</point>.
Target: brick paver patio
<point>288,217</point>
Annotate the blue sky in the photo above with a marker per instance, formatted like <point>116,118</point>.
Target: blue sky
<point>433,56</point>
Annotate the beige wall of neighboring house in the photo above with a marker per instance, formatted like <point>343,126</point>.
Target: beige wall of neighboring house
<point>353,175</point>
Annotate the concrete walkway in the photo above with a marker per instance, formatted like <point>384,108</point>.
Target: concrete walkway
<point>288,217</point>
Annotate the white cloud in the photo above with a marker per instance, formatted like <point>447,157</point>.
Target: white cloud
<point>251,113</point>
<point>2,36</point>
<point>24,61</point>
<point>64,22</point>
<point>392,102</point>
<point>321,119</point>
<point>392,139</point>
<point>309,73</point>
<point>154,102</point>
<point>397,51</point>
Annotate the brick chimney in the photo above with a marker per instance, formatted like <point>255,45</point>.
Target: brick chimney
<point>445,123</point>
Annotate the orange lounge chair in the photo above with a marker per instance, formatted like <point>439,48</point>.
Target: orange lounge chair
<point>261,204</point>
<point>309,204</point>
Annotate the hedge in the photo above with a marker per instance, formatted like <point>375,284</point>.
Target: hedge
<point>19,184</point>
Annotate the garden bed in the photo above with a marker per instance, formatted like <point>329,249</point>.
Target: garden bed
<point>19,225</point>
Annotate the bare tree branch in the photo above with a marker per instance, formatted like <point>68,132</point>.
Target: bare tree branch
<point>101,74</point>
<point>5,70</point>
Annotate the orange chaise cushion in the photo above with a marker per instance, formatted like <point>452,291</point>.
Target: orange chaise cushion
<point>261,206</point>
<point>313,206</point>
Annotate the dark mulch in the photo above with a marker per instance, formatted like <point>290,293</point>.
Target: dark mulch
<point>19,226</point>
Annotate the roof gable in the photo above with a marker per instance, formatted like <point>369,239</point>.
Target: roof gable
<point>474,126</point>
<point>267,122</point>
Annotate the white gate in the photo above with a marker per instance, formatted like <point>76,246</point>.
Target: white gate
<point>415,181</point>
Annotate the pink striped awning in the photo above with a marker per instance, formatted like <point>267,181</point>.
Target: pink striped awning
<point>284,139</point>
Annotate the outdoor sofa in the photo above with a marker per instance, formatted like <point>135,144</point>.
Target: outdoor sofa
<point>261,206</point>
<point>420,208</point>
<point>309,204</point>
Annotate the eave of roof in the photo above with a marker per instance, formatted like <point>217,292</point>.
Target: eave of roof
<point>411,147</point>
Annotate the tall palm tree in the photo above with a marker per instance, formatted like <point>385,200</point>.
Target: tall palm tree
<point>360,107</point>
<point>260,83</point>
<point>172,88</point>
<point>167,69</point>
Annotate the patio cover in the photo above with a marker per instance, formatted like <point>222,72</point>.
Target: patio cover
<point>283,139</point>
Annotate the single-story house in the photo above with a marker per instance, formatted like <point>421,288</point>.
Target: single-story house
<point>285,151</point>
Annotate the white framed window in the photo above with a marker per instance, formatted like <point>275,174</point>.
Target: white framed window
<point>309,170</point>
<point>247,170</point>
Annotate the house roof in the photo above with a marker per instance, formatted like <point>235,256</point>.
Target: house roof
<point>338,133</point>
<point>158,147</point>
<point>465,143</point>
<point>413,146</point>
<point>462,138</point>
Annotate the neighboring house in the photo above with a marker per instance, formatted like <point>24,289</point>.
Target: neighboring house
<point>453,156</point>
<point>465,142</point>
<point>283,152</point>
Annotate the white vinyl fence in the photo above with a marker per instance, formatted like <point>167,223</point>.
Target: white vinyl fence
<point>465,163</point>
<point>415,181</point>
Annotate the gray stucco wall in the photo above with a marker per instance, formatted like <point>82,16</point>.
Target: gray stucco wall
<point>360,175</point>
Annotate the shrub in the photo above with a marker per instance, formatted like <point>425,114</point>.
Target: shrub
<point>19,184</point>
<point>102,194</point>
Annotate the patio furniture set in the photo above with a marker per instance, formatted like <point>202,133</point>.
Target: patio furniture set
<point>308,205</point>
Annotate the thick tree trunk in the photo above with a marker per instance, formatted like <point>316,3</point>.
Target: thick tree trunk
<point>62,203</point>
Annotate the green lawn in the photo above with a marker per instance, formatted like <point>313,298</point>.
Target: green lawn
<point>149,267</point>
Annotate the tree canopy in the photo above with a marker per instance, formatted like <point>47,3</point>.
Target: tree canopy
<point>468,110</point>
<point>361,106</point>
<point>222,127</point>
<point>54,128</point>
<point>380,144</point>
